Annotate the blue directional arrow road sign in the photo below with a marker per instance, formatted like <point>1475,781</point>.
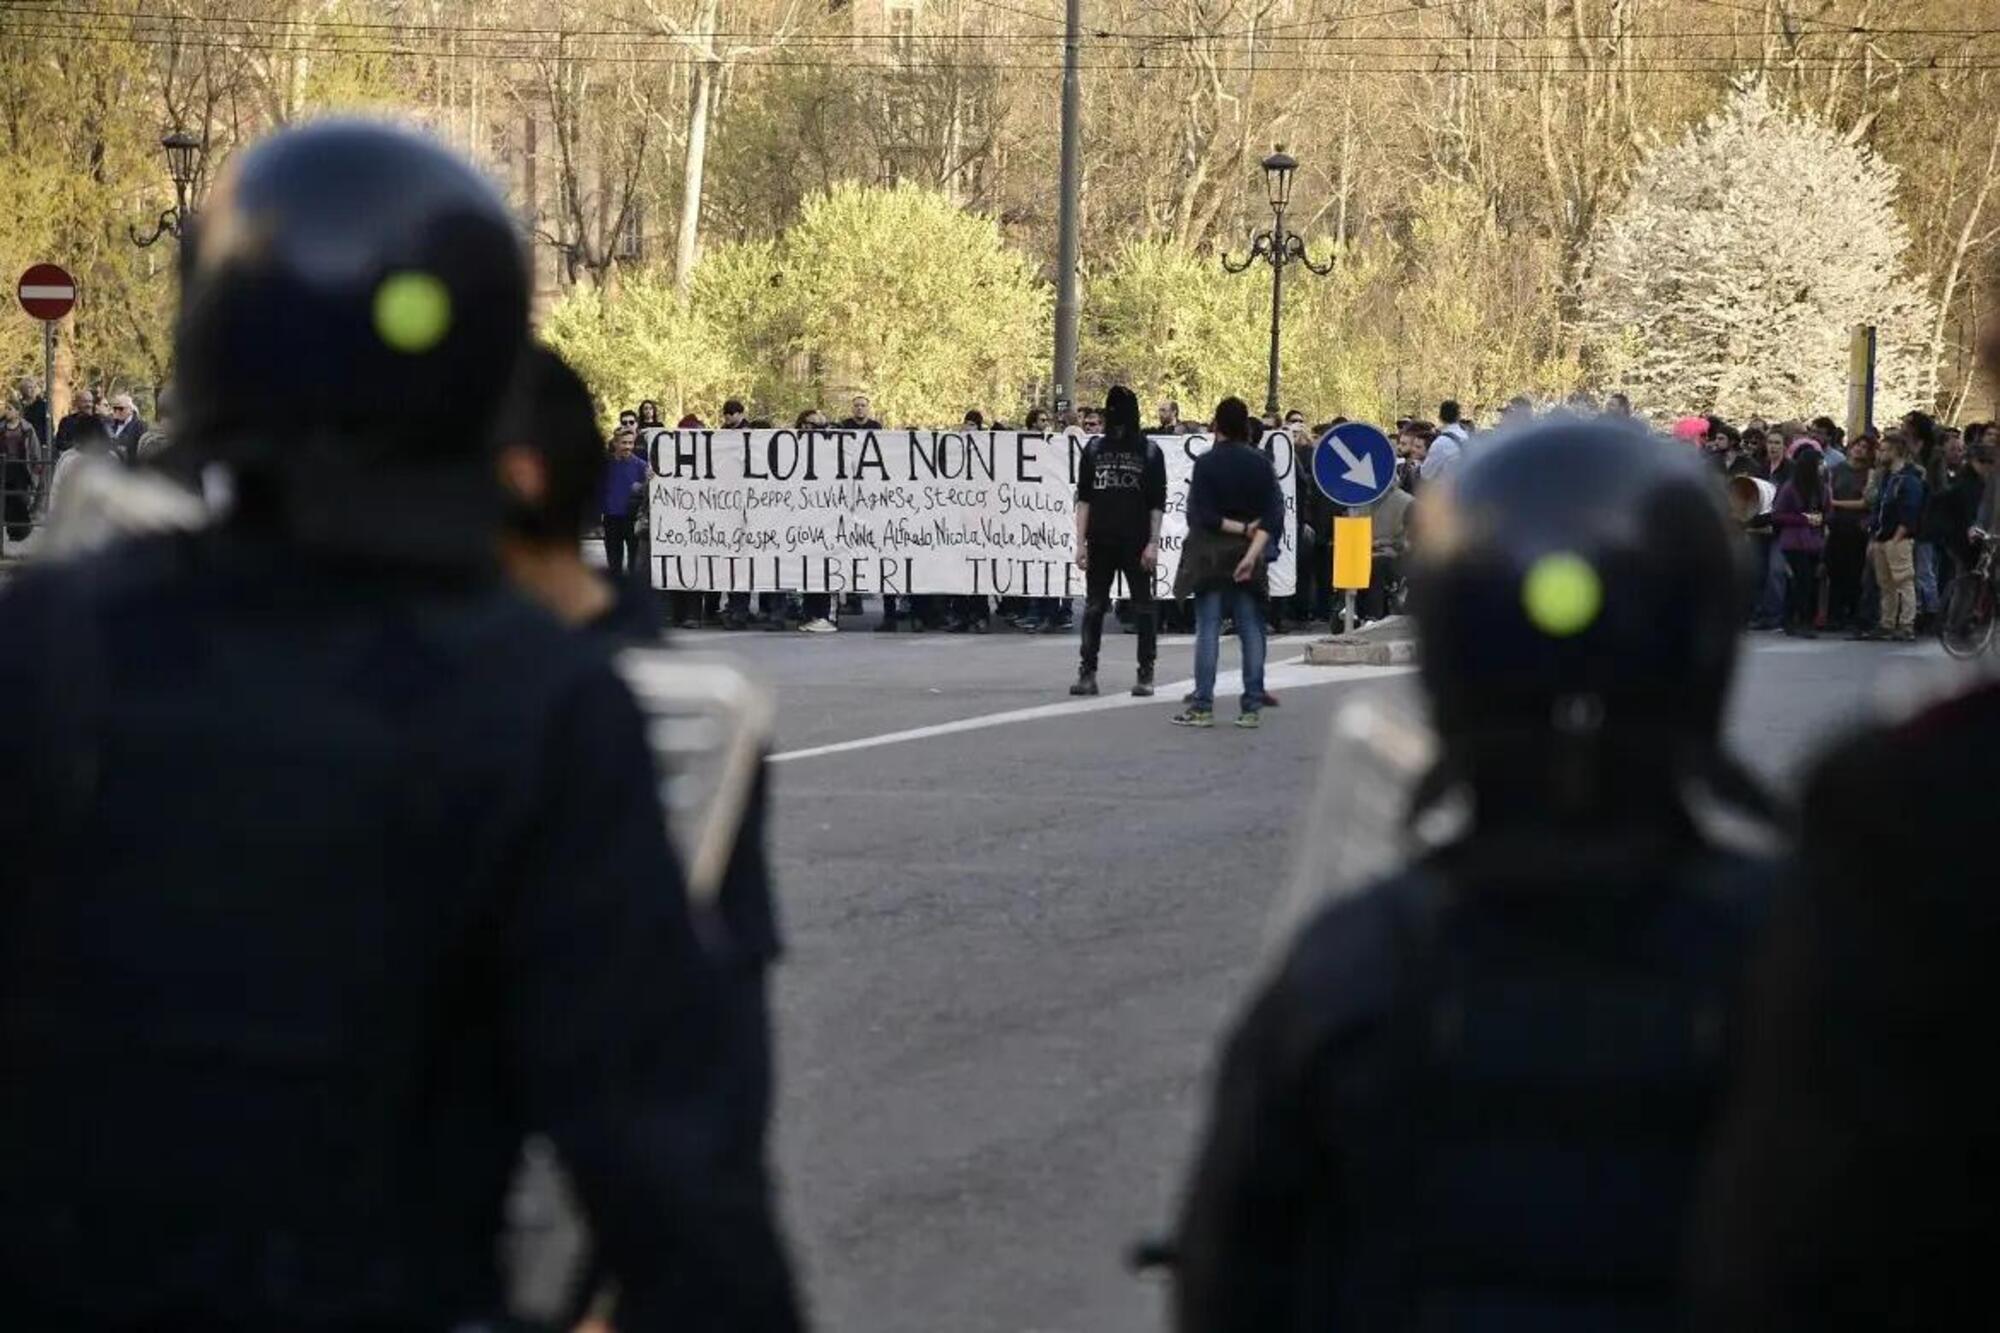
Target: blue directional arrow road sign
<point>1354,465</point>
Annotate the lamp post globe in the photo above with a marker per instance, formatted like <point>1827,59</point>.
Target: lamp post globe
<point>1279,168</point>
<point>183,151</point>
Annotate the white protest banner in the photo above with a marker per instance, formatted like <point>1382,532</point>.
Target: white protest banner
<point>987,513</point>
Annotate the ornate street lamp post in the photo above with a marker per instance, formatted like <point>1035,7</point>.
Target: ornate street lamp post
<point>1278,248</point>
<point>183,152</point>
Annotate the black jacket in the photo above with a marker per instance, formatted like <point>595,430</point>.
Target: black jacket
<point>323,889</point>
<point>71,424</point>
<point>1953,511</point>
<point>1855,1183</point>
<point>1124,481</point>
<point>1315,510</point>
<point>1473,1097</point>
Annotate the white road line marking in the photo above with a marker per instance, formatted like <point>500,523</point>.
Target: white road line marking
<point>1289,675</point>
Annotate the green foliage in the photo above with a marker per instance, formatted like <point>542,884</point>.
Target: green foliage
<point>890,292</point>
<point>900,294</point>
<point>1174,324</point>
<point>67,153</point>
<point>643,344</point>
<point>739,294</point>
<point>1338,356</point>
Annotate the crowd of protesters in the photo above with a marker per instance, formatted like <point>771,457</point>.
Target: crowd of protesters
<point>1860,536</point>
<point>1308,543</point>
<point>36,464</point>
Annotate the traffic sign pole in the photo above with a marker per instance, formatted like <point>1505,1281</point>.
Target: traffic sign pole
<point>49,388</point>
<point>47,292</point>
<point>1347,616</point>
<point>1354,465</point>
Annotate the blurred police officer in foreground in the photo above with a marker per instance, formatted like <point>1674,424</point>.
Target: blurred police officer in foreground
<point>710,728</point>
<point>333,869</point>
<point>1471,1096</point>
<point>1855,1181</point>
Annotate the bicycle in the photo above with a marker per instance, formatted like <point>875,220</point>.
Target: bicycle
<point>1966,627</point>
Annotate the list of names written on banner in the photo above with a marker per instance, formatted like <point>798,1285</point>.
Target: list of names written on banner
<point>890,512</point>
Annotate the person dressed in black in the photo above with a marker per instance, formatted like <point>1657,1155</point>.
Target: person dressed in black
<point>1473,1095</point>
<point>335,868</point>
<point>20,461</point>
<point>1852,1184</point>
<point>1847,533</point>
<point>551,466</point>
<point>1121,497</point>
<point>82,416</point>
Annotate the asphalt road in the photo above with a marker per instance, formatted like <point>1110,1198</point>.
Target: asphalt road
<point>1016,934</point>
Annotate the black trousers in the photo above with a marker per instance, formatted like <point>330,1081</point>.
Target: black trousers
<point>1315,572</point>
<point>621,546</point>
<point>1106,563</point>
<point>1802,590</point>
<point>1373,603</point>
<point>1846,555</point>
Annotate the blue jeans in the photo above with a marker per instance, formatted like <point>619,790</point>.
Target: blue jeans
<point>1208,608</point>
<point>1927,577</point>
<point>1770,609</point>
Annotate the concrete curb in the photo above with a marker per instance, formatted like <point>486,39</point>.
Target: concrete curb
<point>1391,642</point>
<point>1358,652</point>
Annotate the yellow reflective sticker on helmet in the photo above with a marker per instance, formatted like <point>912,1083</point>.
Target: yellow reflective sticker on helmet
<point>1562,595</point>
<point>412,311</point>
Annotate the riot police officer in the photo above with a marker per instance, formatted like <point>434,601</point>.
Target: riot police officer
<point>1854,1182</point>
<point>333,868</point>
<point>1472,1094</point>
<point>710,728</point>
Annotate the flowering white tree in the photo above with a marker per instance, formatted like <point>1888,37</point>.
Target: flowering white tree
<point>1731,277</point>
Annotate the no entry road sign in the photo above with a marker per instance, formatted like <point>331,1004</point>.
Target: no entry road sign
<point>47,292</point>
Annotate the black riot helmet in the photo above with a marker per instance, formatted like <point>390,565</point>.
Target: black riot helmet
<point>354,298</point>
<point>1578,590</point>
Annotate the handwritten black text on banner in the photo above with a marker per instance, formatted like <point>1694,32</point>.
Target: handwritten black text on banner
<point>987,513</point>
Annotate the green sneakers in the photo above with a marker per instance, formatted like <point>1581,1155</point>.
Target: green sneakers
<point>1194,717</point>
<point>1249,721</point>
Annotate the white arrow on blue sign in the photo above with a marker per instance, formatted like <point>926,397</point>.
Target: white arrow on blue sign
<point>1354,465</point>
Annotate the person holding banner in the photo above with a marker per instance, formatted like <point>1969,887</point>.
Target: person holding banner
<point>1121,498</point>
<point>1233,507</point>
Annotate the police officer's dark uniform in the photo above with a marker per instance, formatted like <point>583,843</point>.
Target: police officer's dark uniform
<point>332,867</point>
<point>1472,1096</point>
<point>1856,1183</point>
